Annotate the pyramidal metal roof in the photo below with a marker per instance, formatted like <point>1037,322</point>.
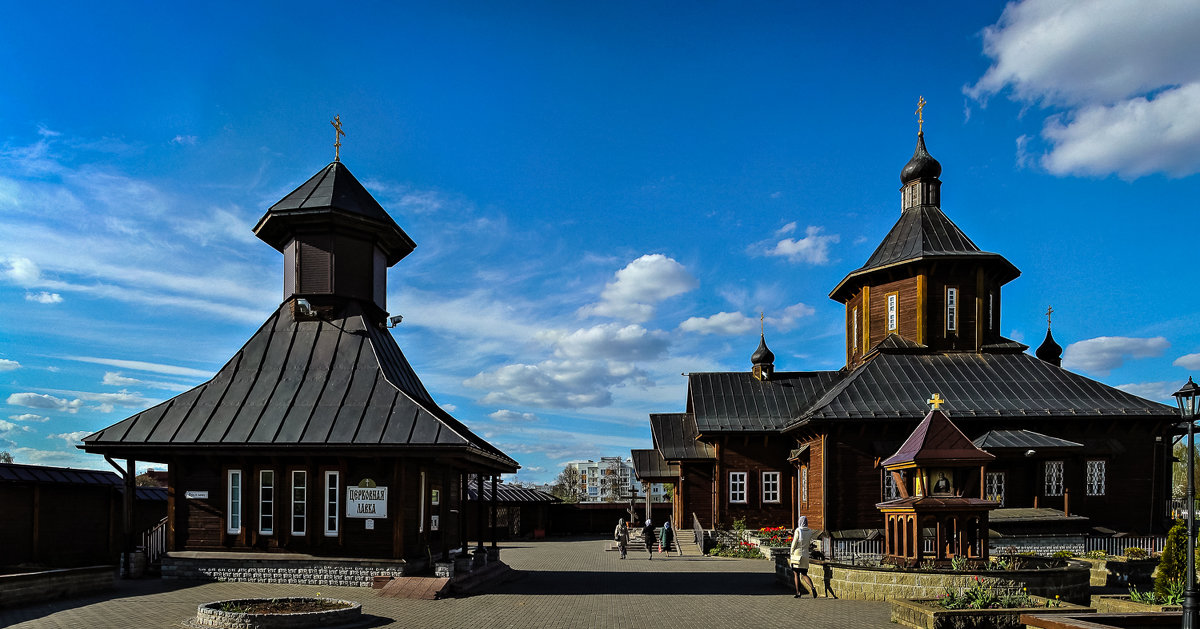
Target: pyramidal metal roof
<point>937,440</point>
<point>340,383</point>
<point>925,232</point>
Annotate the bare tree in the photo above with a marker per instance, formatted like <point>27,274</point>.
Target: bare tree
<point>568,487</point>
<point>5,457</point>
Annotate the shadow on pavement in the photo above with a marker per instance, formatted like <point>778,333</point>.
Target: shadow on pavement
<point>554,582</point>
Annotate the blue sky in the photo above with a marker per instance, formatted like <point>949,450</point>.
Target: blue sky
<point>603,195</point>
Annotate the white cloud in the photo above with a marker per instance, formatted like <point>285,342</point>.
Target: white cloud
<point>72,438</point>
<point>44,297</point>
<point>9,365</point>
<point>1157,391</point>
<point>449,408</point>
<point>505,415</point>
<point>28,417</point>
<point>72,458</point>
<point>813,248</point>
<point>1188,361</point>
<point>184,140</point>
<point>1123,72</point>
<point>1105,353</point>
<point>728,323</point>
<point>41,400</point>
<point>609,341</point>
<point>643,283</point>
<point>9,427</point>
<point>114,378</point>
<point>138,365</point>
<point>20,271</point>
<point>556,384</point>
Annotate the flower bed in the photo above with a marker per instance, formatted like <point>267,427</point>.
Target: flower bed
<point>278,613</point>
<point>1124,604</point>
<point>928,613</point>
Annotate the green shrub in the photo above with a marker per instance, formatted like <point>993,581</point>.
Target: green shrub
<point>1063,554</point>
<point>1173,563</point>
<point>1133,552</point>
<point>1096,554</point>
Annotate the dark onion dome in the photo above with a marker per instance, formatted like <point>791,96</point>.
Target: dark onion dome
<point>922,165</point>
<point>762,355</point>
<point>1050,351</point>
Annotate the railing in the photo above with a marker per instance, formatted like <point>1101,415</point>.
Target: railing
<point>698,531</point>
<point>155,542</point>
<point>1117,545</point>
<point>854,549</point>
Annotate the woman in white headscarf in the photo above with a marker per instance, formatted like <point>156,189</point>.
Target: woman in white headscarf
<point>798,558</point>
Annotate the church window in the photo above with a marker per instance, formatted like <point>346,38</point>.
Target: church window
<point>804,484</point>
<point>891,311</point>
<point>331,504</point>
<point>1096,473</point>
<point>737,487</point>
<point>993,487</point>
<point>233,511</point>
<point>1054,478</point>
<point>770,486</point>
<point>991,311</point>
<point>266,502</point>
<point>951,309</point>
<point>854,335</point>
<point>299,502</point>
<point>890,490</point>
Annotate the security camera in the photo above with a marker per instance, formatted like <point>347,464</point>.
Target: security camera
<point>305,308</point>
<point>395,321</point>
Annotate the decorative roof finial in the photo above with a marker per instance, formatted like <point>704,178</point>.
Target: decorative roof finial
<point>920,117</point>
<point>337,137</point>
<point>761,323</point>
<point>1049,311</point>
<point>935,402</point>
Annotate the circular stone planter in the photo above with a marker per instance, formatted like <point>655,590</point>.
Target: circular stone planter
<point>212,615</point>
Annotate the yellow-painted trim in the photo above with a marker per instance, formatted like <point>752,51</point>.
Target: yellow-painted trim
<point>885,312</point>
<point>866,327</point>
<point>922,304</point>
<point>979,308</point>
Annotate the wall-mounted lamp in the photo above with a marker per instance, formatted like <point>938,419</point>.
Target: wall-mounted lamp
<point>304,308</point>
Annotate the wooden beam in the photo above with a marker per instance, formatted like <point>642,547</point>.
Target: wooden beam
<point>398,506</point>
<point>922,304</point>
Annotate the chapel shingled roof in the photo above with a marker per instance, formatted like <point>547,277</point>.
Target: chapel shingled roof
<point>937,440</point>
<point>650,467</point>
<point>675,435</point>
<point>738,402</point>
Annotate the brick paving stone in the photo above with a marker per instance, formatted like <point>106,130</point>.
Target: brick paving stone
<point>563,584</point>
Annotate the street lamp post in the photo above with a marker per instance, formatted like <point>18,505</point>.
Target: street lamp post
<point>1187,396</point>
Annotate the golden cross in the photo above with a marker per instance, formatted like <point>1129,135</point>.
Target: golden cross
<point>1049,311</point>
<point>337,138</point>
<point>935,402</point>
<point>920,115</point>
<point>761,324</point>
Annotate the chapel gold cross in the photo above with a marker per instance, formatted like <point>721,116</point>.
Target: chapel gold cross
<point>1049,311</point>
<point>761,323</point>
<point>920,118</point>
<point>935,402</point>
<point>337,137</point>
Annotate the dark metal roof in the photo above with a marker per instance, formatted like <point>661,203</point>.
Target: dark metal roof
<point>333,194</point>
<point>895,386</point>
<point>1021,439</point>
<point>937,440</point>
<point>341,382</point>
<point>507,493</point>
<point>737,402</point>
<point>18,473</point>
<point>924,232</point>
<point>675,437</point>
<point>650,467</point>
<point>935,502</point>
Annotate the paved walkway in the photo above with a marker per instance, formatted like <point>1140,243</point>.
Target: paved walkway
<point>563,584</point>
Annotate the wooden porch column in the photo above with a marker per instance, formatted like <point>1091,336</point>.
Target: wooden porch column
<point>462,510</point>
<point>443,511</point>
<point>127,521</point>
<point>479,509</point>
<point>495,478</point>
<point>646,490</point>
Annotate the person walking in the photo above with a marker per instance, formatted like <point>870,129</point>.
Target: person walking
<point>622,537</point>
<point>651,539</point>
<point>668,535</point>
<point>798,557</point>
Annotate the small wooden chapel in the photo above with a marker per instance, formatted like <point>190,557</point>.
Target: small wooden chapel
<point>317,437</point>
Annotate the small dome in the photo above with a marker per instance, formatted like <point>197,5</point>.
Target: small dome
<point>922,165</point>
<point>1050,351</point>
<point>762,355</point>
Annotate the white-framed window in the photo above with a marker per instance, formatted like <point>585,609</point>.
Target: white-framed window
<point>890,490</point>
<point>891,311</point>
<point>991,310</point>
<point>993,487</point>
<point>770,486</point>
<point>854,335</point>
<point>299,502</point>
<point>331,503</point>
<point>804,484</point>
<point>1054,478</point>
<point>737,487</point>
<point>233,506</point>
<point>1097,470</point>
<point>951,309</point>
<point>266,502</point>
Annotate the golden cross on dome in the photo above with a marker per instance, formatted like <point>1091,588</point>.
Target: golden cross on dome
<point>337,138</point>
<point>920,115</point>
<point>935,402</point>
<point>1049,311</point>
<point>761,323</point>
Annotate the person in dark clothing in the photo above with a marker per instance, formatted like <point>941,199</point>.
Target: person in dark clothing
<point>668,536</point>
<point>651,538</point>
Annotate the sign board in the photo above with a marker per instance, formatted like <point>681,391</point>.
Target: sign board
<point>370,524</point>
<point>433,523</point>
<point>366,502</point>
<point>195,495</point>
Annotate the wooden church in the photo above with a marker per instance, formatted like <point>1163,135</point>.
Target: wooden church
<point>922,315</point>
<point>317,437</point>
